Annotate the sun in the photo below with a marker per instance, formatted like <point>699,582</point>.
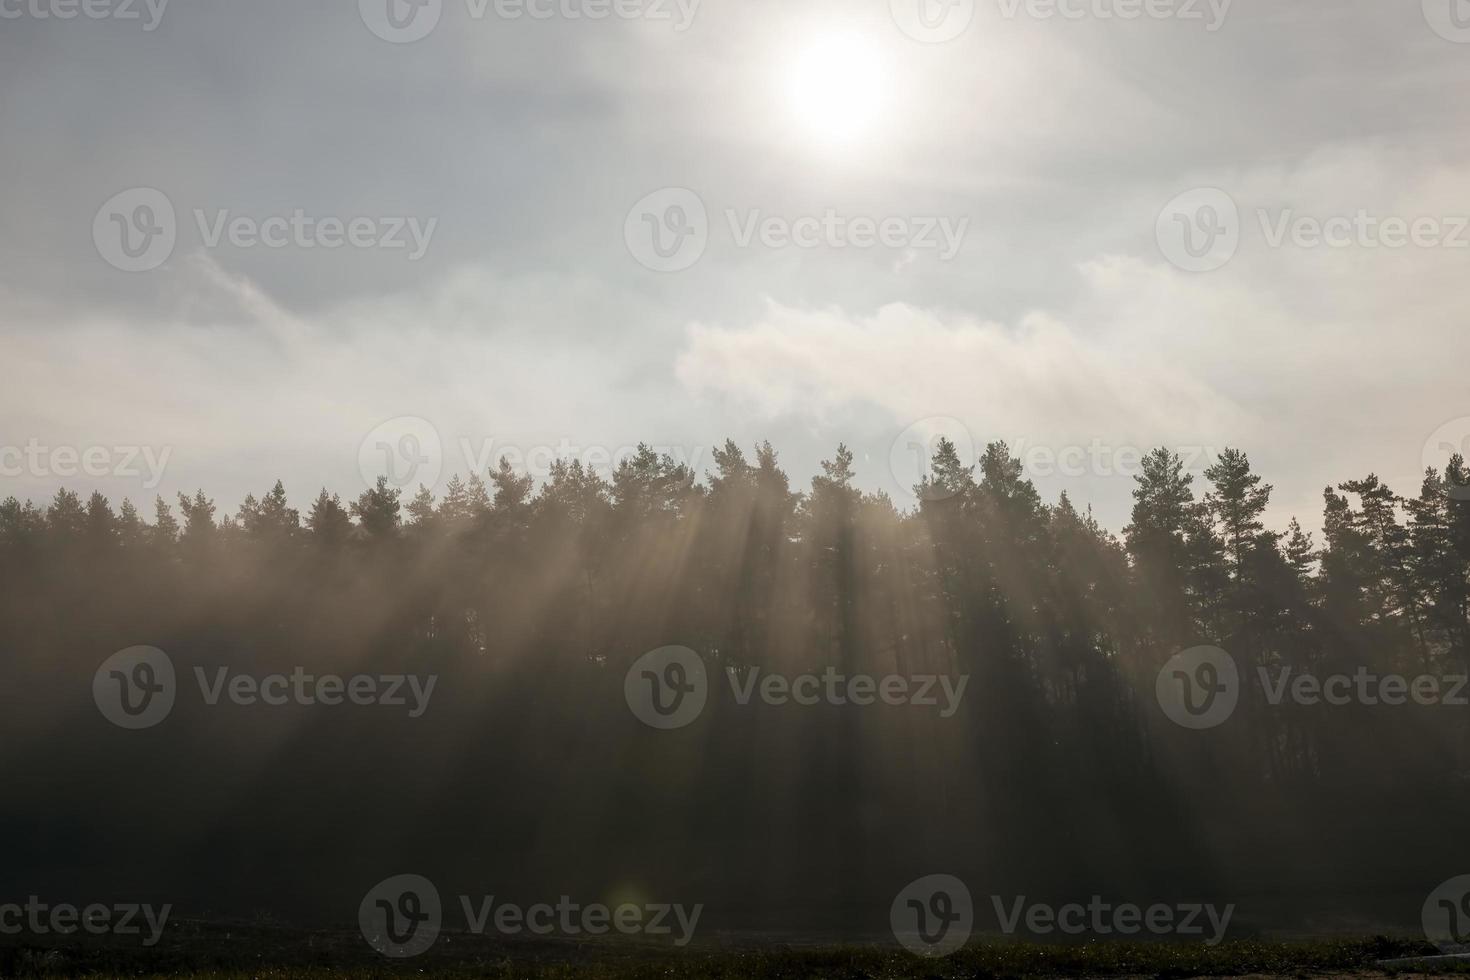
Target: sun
<point>835,89</point>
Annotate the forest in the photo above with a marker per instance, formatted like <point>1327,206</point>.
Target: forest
<point>526,775</point>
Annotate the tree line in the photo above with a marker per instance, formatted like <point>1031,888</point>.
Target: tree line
<point>530,602</point>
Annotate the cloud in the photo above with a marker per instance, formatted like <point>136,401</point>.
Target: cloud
<point>1039,376</point>
<point>243,390</point>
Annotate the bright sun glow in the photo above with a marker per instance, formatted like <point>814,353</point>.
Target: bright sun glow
<point>836,89</point>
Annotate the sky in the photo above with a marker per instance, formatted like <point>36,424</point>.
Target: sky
<point>316,241</point>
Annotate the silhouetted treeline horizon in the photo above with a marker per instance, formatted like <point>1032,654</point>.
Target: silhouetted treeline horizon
<point>528,776</point>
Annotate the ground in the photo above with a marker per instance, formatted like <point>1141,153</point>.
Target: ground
<point>235,951</point>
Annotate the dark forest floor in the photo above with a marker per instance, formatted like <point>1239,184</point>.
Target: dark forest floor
<point>218,950</point>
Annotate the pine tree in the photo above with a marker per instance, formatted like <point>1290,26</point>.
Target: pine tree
<point>165,531</point>
<point>101,524</point>
<point>512,491</point>
<point>131,531</point>
<point>377,510</point>
<point>1236,504</point>
<point>199,528</point>
<point>328,522</point>
<point>66,517</point>
<point>1158,540</point>
<point>421,511</point>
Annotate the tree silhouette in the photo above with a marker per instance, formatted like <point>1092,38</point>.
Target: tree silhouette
<point>530,599</point>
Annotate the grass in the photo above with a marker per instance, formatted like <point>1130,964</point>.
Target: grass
<point>236,952</point>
